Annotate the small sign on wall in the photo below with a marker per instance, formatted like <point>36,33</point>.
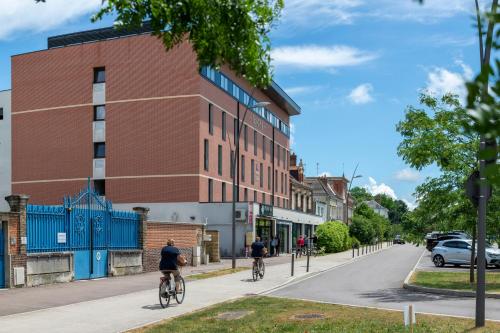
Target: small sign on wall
<point>61,237</point>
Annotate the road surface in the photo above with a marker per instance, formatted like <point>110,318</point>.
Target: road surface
<point>377,281</point>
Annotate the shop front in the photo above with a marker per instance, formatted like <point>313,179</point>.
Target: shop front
<point>284,233</point>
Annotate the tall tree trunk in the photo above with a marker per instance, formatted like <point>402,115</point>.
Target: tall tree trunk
<point>472,254</point>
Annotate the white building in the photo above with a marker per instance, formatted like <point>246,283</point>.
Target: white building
<point>5,149</point>
<point>378,208</point>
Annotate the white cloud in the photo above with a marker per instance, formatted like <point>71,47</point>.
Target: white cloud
<point>301,90</point>
<point>411,204</point>
<point>441,81</point>
<point>326,174</point>
<point>315,56</point>
<point>27,15</point>
<point>361,94</point>
<point>320,12</point>
<point>292,134</point>
<point>374,188</point>
<point>407,175</point>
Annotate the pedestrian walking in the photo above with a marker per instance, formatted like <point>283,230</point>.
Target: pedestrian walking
<point>278,245</point>
<point>300,245</point>
<point>273,246</point>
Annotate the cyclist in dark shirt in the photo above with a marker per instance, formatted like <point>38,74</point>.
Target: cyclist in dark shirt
<point>258,250</point>
<point>168,262</point>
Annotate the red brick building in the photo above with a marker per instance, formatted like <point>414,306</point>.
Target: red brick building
<point>146,125</point>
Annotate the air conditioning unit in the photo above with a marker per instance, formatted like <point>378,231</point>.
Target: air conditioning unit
<point>241,215</point>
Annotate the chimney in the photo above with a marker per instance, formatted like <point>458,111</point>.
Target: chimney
<point>293,159</point>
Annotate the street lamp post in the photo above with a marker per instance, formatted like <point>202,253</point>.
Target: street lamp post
<point>236,159</point>
<point>348,194</point>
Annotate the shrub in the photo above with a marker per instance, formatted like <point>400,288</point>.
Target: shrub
<point>333,236</point>
<point>355,242</point>
<point>362,229</point>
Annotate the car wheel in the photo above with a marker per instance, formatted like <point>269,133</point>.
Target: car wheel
<point>456,265</point>
<point>438,260</point>
<point>497,266</point>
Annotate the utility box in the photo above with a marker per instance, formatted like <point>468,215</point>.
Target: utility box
<point>18,276</point>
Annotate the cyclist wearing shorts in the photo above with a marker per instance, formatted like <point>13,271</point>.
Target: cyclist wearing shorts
<point>258,250</point>
<point>168,262</point>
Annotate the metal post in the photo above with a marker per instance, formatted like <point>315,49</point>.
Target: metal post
<point>358,250</point>
<point>308,253</point>
<point>293,262</point>
<point>362,249</point>
<point>353,251</point>
<point>481,243</point>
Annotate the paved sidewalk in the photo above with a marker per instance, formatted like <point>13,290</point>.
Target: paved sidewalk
<point>123,312</point>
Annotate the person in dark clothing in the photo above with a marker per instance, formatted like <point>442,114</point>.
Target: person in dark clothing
<point>168,263</point>
<point>259,250</point>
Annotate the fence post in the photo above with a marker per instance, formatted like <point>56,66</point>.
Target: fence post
<point>308,254</point>
<point>143,228</point>
<point>293,262</point>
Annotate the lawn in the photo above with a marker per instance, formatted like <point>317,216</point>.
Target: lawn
<point>216,273</point>
<point>453,280</point>
<point>269,314</point>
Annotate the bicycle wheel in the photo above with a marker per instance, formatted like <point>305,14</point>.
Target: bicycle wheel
<point>255,272</point>
<point>179,297</point>
<point>262,269</point>
<point>164,294</point>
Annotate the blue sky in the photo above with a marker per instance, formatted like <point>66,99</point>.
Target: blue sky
<point>352,65</point>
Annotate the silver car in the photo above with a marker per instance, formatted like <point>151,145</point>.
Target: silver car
<point>458,251</point>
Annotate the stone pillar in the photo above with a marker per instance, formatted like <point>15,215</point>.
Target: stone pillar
<point>143,225</point>
<point>17,239</point>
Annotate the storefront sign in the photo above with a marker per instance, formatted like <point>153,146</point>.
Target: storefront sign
<point>265,210</point>
<point>250,213</point>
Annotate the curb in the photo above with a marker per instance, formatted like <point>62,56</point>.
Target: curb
<point>446,292</point>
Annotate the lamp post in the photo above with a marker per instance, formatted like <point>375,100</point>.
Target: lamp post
<point>236,158</point>
<point>354,176</point>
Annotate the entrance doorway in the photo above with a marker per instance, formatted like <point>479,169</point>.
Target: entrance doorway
<point>283,234</point>
<point>263,229</point>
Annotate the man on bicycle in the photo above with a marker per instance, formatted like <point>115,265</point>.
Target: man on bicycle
<point>258,251</point>
<point>170,255</point>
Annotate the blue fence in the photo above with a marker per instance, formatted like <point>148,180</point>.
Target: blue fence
<point>83,222</point>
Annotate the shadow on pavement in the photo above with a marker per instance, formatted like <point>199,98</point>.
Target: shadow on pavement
<point>402,295</point>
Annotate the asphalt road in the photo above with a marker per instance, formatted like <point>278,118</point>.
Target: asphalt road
<point>376,281</point>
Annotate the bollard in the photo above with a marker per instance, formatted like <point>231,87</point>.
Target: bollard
<point>358,250</point>
<point>353,251</point>
<point>308,254</point>
<point>362,249</point>
<point>293,262</point>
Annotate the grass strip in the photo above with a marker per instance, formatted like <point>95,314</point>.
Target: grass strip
<point>453,280</point>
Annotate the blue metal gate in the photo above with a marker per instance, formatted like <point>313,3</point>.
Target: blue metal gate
<point>2,261</point>
<point>85,225</point>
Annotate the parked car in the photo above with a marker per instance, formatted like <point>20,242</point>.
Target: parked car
<point>398,240</point>
<point>458,252</point>
<point>432,242</point>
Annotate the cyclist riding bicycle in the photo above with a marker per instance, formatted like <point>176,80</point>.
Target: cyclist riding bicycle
<point>170,259</point>
<point>258,250</point>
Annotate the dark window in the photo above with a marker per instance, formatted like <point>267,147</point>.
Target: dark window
<point>219,167</point>
<point>263,198</point>
<point>276,180</point>
<point>271,150</point>
<point>255,142</point>
<point>205,155</point>
<point>254,196</point>
<point>223,192</point>
<point>286,184</point>
<point>245,137</point>
<point>99,75</point>
<point>223,126</point>
<point>100,187</point>
<point>1,113</point>
<point>284,158</point>
<point>269,178</point>
<point>210,190</point>
<point>245,195</point>
<point>452,244</point>
<point>282,176</point>
<point>99,150</point>
<point>210,119</point>
<point>278,202</point>
<point>279,151</point>
<point>252,172</point>
<point>263,147</point>
<point>231,162</point>
<point>261,174</point>
<point>235,125</point>
<point>243,168</point>
<point>99,112</point>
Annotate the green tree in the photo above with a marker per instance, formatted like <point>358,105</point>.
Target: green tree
<point>360,194</point>
<point>333,236</point>
<point>235,33</point>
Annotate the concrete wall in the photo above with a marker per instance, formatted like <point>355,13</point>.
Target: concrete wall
<point>47,268</point>
<point>5,149</point>
<point>124,262</point>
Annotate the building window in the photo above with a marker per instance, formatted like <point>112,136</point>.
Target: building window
<point>205,155</point>
<point>99,75</point>
<point>245,137</point>
<point>284,158</point>
<point>286,184</point>
<point>1,113</point>
<point>210,190</point>
<point>263,147</point>
<point>282,176</point>
<point>269,176</point>
<point>99,112</point>
<point>223,192</point>
<point>261,175</point>
<point>245,195</point>
<point>231,162</point>
<point>254,196</point>
<point>263,198</point>
<point>99,150</point>
<point>243,168</point>
<point>210,119</point>
<point>235,125</point>
<point>279,200</point>
<point>279,151</point>
<point>223,125</point>
<point>100,187</point>
<point>255,142</point>
<point>271,150</point>
<point>276,180</point>
<point>252,172</point>
<point>219,167</point>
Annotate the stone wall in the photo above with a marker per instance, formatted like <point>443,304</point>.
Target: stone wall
<point>47,268</point>
<point>125,262</point>
<point>212,246</point>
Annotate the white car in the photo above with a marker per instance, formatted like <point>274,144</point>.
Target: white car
<point>458,251</point>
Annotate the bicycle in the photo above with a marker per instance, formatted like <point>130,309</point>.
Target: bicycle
<point>166,290</point>
<point>258,269</point>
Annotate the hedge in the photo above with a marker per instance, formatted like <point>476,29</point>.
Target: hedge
<point>333,236</point>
